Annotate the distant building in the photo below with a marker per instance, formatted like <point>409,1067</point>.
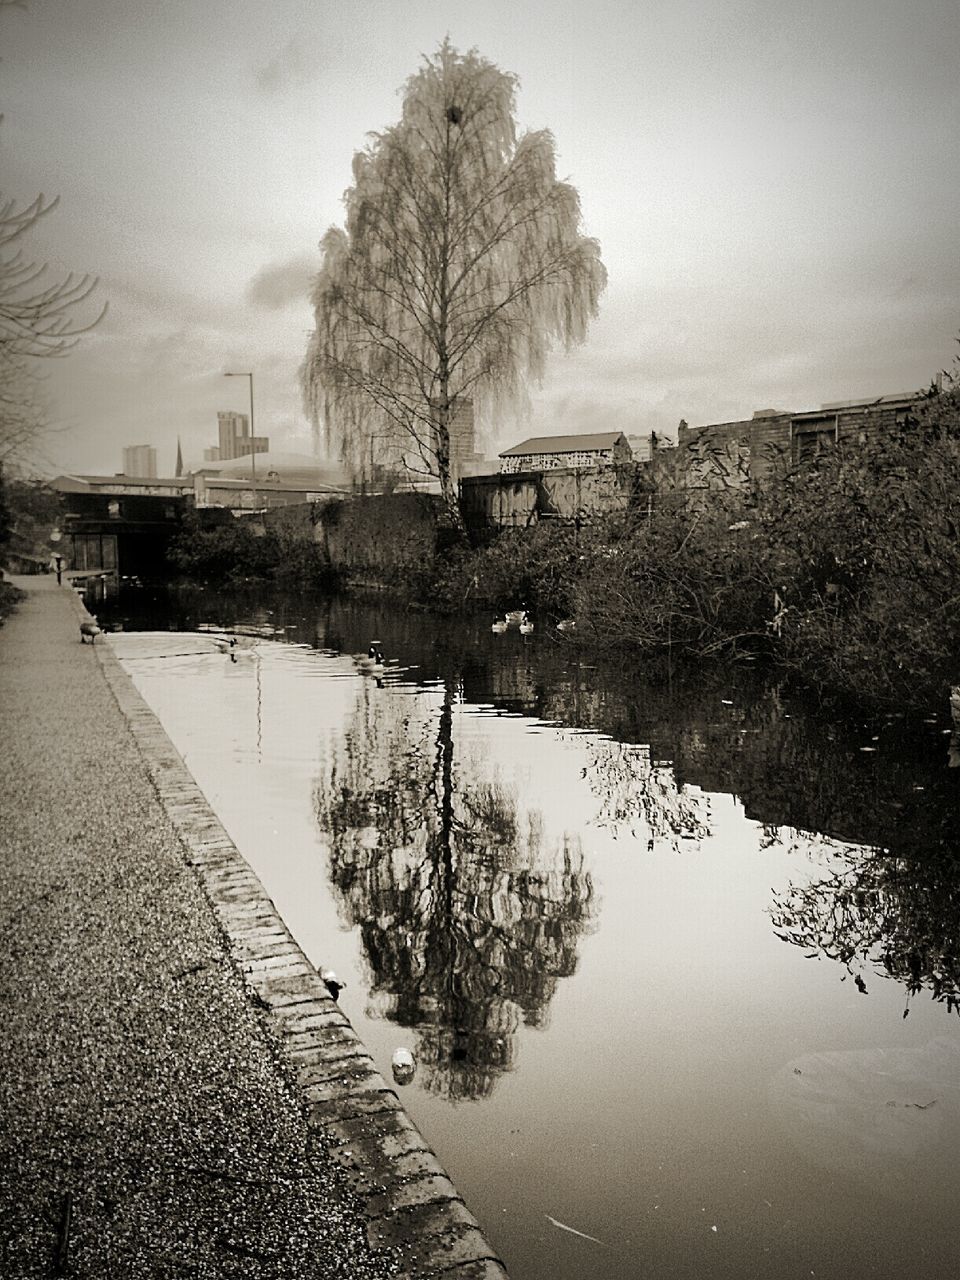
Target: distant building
<point>282,479</point>
<point>140,460</point>
<point>463,439</point>
<point>544,453</point>
<point>119,526</point>
<point>143,486</point>
<point>645,447</point>
<point>235,438</point>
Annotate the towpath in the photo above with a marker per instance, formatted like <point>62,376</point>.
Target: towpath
<point>178,1095</point>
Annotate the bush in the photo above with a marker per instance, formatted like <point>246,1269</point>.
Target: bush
<point>678,578</point>
<point>534,567</point>
<point>866,544</point>
<point>29,510</point>
<point>239,551</point>
<point>10,597</point>
<point>846,572</point>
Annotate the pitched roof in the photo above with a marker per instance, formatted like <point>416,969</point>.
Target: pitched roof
<point>564,444</point>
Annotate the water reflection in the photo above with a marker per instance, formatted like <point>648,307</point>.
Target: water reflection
<point>468,916</point>
<point>658,745</point>
<point>899,917</point>
<point>640,797</point>
<point>695,1044</point>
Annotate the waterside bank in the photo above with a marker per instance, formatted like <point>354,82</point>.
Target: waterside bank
<point>182,1095</point>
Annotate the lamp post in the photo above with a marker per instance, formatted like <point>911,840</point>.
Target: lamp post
<point>253,445</point>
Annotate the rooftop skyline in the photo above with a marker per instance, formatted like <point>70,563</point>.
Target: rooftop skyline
<point>773,187</point>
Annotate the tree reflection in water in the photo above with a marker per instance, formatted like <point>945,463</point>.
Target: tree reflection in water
<point>641,798</point>
<point>898,917</point>
<point>468,918</point>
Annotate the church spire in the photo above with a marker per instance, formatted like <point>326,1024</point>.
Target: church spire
<point>179,470</point>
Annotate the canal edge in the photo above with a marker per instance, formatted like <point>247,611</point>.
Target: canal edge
<point>411,1204</point>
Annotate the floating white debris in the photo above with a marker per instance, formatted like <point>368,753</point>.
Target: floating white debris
<point>403,1065</point>
<point>573,1230</point>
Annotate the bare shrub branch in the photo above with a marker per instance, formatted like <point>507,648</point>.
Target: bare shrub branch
<point>38,317</point>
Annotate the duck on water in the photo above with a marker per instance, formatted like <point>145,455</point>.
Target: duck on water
<point>371,663</point>
<point>235,644</point>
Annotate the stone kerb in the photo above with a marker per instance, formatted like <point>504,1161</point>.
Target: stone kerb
<point>411,1204</point>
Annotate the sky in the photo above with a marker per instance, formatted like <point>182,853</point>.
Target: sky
<point>775,187</point>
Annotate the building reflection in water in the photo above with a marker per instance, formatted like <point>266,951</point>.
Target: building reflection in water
<point>468,916</point>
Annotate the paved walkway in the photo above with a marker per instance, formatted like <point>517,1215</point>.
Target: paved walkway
<point>178,1097</point>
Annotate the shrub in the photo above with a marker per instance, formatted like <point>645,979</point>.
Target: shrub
<point>533,567</point>
<point>239,551</point>
<point>682,578</point>
<point>10,597</point>
<point>867,545</point>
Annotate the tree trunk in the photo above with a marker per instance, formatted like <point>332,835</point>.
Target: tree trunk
<point>448,485</point>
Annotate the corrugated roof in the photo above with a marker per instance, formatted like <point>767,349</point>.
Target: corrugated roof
<point>564,444</point>
<point>903,398</point>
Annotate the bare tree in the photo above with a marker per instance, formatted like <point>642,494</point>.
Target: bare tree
<point>461,263</point>
<point>23,411</point>
<point>38,316</point>
<point>468,916</point>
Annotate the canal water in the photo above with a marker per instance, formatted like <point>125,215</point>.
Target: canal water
<point>677,960</point>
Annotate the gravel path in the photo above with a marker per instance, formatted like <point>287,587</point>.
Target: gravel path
<point>150,1127</point>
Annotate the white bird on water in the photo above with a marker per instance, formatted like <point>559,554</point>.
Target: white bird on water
<point>403,1066</point>
<point>332,983</point>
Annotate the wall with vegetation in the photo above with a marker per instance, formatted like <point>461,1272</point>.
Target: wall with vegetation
<point>384,536</point>
<point>518,500</point>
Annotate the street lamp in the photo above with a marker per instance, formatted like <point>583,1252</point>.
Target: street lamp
<point>253,443</point>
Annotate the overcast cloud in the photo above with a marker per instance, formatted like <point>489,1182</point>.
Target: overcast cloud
<point>278,284</point>
<point>774,187</point>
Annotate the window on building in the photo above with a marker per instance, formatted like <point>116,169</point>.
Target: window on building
<point>813,438</point>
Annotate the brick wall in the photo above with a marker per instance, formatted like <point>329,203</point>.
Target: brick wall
<point>374,534</point>
<point>728,455</point>
<point>380,533</point>
<point>519,499</point>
